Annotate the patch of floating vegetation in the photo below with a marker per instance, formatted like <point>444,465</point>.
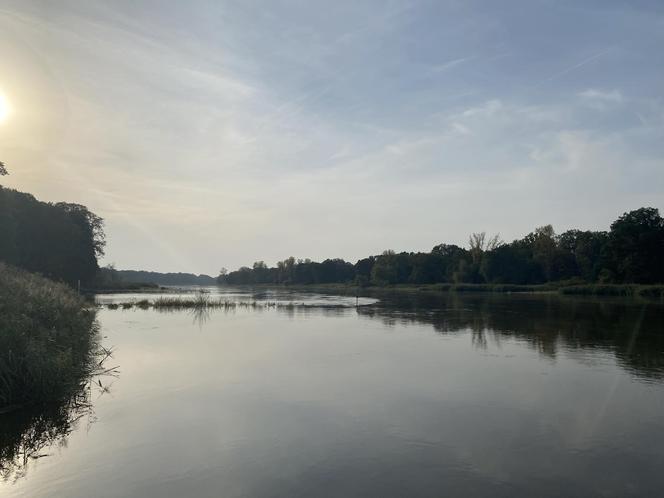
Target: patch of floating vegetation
<point>205,303</point>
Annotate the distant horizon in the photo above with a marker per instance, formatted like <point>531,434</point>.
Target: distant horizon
<point>354,260</point>
<point>218,133</point>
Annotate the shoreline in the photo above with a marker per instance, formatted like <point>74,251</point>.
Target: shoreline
<point>649,292</point>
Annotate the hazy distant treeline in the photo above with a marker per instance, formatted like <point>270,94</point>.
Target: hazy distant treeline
<point>632,251</point>
<point>61,241</point>
<point>137,276</point>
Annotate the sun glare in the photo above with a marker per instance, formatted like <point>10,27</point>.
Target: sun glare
<point>5,108</point>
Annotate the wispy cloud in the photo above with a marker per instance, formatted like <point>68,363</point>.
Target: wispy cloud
<point>578,65</point>
<point>488,108</point>
<point>242,131</point>
<point>439,68</point>
<point>603,95</point>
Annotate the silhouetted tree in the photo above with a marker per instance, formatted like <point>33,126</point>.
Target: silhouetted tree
<point>61,241</point>
<point>364,266</point>
<point>636,246</point>
<point>586,250</point>
<point>633,251</point>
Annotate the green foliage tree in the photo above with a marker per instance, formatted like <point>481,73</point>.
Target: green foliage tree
<point>61,241</point>
<point>450,258</point>
<point>544,250</point>
<point>633,251</point>
<point>511,264</point>
<point>586,251</point>
<point>384,271</point>
<point>636,246</point>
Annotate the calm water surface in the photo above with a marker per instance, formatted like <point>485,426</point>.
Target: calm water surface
<point>457,395</point>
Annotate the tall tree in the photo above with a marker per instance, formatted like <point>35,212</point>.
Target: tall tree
<point>636,246</point>
<point>61,241</point>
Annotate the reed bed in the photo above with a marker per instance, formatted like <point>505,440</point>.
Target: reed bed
<point>174,303</point>
<point>626,290</point>
<point>49,340</point>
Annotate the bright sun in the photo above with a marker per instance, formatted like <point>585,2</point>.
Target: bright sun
<point>5,108</point>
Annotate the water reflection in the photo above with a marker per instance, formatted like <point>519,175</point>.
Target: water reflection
<point>632,331</point>
<point>453,395</point>
<point>29,434</point>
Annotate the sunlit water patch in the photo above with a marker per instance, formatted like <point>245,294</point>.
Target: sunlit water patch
<point>258,297</point>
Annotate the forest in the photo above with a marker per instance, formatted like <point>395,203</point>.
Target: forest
<point>109,277</point>
<point>631,251</point>
<point>63,241</point>
<point>60,241</point>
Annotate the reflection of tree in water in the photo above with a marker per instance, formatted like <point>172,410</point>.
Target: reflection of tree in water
<point>27,435</point>
<point>633,331</point>
<point>479,339</point>
<point>629,330</point>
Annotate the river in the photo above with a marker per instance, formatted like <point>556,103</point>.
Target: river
<point>299,394</point>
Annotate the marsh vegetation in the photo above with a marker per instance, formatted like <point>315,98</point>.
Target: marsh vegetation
<point>49,340</point>
<point>202,300</point>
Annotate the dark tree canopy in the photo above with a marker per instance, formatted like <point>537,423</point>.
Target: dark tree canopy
<point>90,224</point>
<point>150,277</point>
<point>61,241</point>
<point>636,246</point>
<point>631,252</point>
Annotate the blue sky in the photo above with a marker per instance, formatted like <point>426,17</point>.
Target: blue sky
<point>218,133</point>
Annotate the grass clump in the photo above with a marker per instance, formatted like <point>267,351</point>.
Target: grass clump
<point>653,291</point>
<point>48,339</point>
<point>200,300</point>
<point>599,290</point>
<point>629,290</point>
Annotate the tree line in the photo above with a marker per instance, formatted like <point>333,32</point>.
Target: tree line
<point>631,251</point>
<point>61,241</point>
<point>141,277</point>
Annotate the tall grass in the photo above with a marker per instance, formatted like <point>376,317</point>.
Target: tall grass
<point>650,291</point>
<point>48,339</point>
<point>203,302</point>
<point>200,300</point>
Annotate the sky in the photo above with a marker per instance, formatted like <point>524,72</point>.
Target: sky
<point>217,133</point>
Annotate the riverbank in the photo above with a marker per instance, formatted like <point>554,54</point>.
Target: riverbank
<point>48,339</point>
<point>122,287</point>
<point>564,288</point>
